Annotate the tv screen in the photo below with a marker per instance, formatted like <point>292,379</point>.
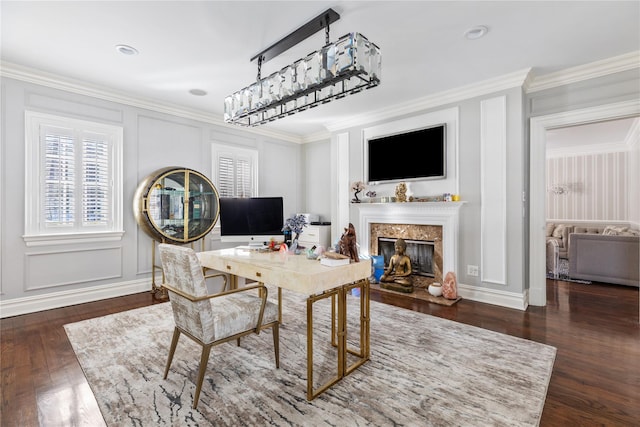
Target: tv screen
<point>254,220</point>
<point>417,155</point>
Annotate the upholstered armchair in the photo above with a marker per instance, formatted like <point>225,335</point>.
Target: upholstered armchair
<point>212,319</point>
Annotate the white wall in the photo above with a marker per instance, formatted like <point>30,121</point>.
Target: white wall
<point>36,278</point>
<point>510,289</point>
<point>154,140</point>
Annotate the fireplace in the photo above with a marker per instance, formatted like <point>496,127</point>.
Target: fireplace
<point>424,248</point>
<point>435,222</point>
<point>419,251</point>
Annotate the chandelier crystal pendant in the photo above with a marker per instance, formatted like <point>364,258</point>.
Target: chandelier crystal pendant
<point>345,67</point>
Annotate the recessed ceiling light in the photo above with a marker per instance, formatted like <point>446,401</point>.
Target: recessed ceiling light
<point>476,32</point>
<point>126,49</point>
<point>198,92</point>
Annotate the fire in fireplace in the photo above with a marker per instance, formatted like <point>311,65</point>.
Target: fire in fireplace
<point>419,251</point>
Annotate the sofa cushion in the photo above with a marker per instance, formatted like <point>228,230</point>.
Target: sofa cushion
<point>588,230</point>
<point>550,227</point>
<point>611,230</point>
<point>557,231</point>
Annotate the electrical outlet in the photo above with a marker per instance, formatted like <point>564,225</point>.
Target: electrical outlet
<point>472,270</point>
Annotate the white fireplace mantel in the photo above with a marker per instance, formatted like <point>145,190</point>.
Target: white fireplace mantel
<point>444,214</point>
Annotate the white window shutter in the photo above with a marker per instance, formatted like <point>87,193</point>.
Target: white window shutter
<point>73,180</point>
<point>235,171</point>
<point>59,172</point>
<point>96,183</point>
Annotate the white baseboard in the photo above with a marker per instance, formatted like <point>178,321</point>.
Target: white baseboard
<point>17,306</point>
<point>495,297</point>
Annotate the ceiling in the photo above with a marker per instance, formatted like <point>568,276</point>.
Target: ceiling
<point>207,45</point>
<point>609,135</point>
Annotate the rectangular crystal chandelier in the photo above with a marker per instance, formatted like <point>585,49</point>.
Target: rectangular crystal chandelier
<point>345,67</point>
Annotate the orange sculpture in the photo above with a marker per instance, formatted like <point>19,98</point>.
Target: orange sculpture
<point>450,286</point>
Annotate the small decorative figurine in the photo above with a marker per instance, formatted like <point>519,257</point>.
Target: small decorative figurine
<point>401,192</point>
<point>347,245</point>
<point>357,187</point>
<point>450,286</point>
<point>435,289</point>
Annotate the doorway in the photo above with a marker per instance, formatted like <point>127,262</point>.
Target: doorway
<point>537,181</point>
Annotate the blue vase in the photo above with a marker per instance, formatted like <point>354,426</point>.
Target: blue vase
<point>378,266</point>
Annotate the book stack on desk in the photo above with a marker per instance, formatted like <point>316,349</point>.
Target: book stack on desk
<point>333,259</point>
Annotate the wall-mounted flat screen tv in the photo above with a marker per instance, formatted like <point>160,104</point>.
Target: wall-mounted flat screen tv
<point>252,220</point>
<point>409,156</point>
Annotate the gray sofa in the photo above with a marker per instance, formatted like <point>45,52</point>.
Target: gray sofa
<point>559,232</point>
<point>605,258</point>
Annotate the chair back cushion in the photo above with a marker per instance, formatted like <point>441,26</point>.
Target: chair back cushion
<point>183,271</point>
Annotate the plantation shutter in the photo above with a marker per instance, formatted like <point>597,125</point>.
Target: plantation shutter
<point>235,175</point>
<point>225,182</point>
<point>243,178</point>
<point>77,178</point>
<point>59,177</point>
<point>73,180</point>
<point>95,180</point>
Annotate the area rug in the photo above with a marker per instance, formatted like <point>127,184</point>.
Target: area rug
<point>423,370</point>
<point>563,273</point>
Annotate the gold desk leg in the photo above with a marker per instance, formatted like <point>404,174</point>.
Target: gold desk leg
<point>339,333</point>
<point>334,333</point>
<point>233,281</point>
<point>363,353</point>
<point>311,393</point>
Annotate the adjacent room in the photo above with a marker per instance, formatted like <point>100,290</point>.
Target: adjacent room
<point>307,213</point>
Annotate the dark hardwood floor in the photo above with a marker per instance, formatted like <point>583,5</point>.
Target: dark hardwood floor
<point>595,381</point>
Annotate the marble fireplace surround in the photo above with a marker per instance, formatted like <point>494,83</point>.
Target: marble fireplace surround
<point>430,233</point>
<point>395,217</point>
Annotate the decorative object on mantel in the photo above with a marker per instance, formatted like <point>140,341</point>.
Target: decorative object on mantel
<point>409,192</point>
<point>357,187</point>
<point>295,224</point>
<point>371,195</point>
<point>401,192</point>
<point>347,245</point>
<point>344,67</point>
<point>450,286</point>
<point>397,276</point>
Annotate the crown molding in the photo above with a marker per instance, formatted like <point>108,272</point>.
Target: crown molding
<point>30,75</point>
<point>616,64</point>
<point>504,82</point>
<point>523,78</point>
<point>583,150</point>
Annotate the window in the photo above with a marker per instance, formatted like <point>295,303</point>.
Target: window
<point>235,171</point>
<point>73,179</point>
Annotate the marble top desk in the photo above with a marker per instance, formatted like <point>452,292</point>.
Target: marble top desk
<point>299,274</point>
